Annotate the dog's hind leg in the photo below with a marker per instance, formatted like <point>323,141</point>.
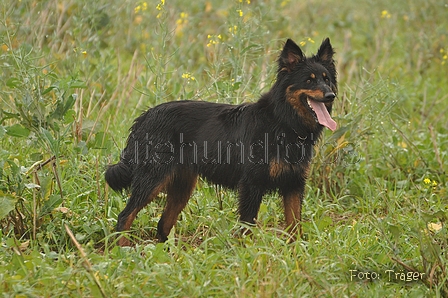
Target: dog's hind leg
<point>143,191</point>
<point>179,190</point>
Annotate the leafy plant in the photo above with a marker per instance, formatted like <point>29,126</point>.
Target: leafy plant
<point>39,110</point>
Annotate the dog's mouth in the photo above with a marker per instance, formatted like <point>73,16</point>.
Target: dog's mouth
<point>320,111</point>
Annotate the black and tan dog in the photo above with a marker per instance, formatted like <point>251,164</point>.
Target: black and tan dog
<point>253,148</point>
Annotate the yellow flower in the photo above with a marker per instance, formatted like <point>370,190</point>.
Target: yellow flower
<point>435,227</point>
<point>233,29</point>
<point>402,144</point>
<point>308,39</point>
<point>188,76</point>
<point>427,181</point>
<point>213,39</point>
<point>142,7</point>
<point>434,183</point>
<point>182,19</point>
<point>160,5</point>
<point>385,14</point>
<point>240,12</point>
<point>284,3</point>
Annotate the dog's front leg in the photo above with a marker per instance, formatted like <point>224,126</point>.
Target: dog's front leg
<point>249,202</point>
<point>292,202</point>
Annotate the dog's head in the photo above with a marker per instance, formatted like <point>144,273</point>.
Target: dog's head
<point>311,82</point>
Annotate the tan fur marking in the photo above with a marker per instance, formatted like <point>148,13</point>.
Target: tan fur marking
<point>123,241</point>
<point>293,211</point>
<point>313,76</point>
<point>317,94</point>
<point>175,204</point>
<point>277,168</point>
<point>303,111</point>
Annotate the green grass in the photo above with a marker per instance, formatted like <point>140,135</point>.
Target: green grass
<point>75,75</point>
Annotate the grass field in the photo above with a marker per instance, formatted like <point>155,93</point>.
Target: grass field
<point>74,75</point>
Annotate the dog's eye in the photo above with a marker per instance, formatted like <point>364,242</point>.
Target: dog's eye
<point>308,81</point>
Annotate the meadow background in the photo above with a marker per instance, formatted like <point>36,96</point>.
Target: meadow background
<point>74,74</point>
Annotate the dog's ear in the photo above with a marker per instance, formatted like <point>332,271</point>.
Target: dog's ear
<point>290,56</point>
<point>325,52</point>
<point>325,56</point>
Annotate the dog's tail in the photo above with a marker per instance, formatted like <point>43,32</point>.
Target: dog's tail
<point>119,176</point>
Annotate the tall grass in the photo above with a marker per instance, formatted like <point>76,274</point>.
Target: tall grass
<point>75,75</point>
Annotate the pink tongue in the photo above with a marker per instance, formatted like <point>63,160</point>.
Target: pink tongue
<point>323,116</point>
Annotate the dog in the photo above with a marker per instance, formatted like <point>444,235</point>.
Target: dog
<point>253,148</point>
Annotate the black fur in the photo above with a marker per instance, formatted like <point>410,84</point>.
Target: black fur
<point>253,148</point>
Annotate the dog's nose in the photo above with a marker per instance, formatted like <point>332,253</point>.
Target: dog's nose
<point>329,95</point>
